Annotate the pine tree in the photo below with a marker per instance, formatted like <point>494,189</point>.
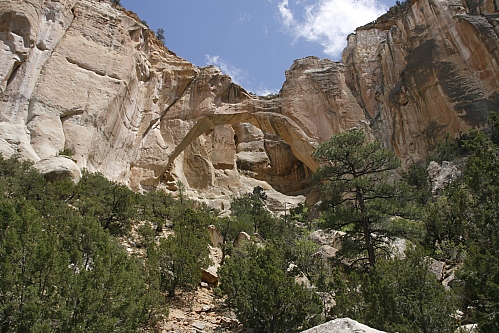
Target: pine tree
<point>357,192</point>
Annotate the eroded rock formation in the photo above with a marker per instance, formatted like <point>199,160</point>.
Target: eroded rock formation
<point>85,76</point>
<point>425,69</point>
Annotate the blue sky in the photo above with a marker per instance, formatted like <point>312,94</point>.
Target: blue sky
<point>256,41</point>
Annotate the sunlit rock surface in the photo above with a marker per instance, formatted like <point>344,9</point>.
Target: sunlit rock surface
<point>85,76</point>
<point>425,70</point>
<point>342,325</point>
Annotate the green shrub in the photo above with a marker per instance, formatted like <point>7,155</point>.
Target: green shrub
<point>264,297</point>
<point>66,152</point>
<point>397,296</point>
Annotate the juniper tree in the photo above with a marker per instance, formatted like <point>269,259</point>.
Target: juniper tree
<point>160,33</point>
<point>264,296</point>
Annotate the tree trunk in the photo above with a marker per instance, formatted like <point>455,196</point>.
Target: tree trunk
<point>368,240</point>
<point>366,228</point>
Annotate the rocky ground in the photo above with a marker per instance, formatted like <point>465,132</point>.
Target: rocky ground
<point>196,311</point>
<point>199,311</point>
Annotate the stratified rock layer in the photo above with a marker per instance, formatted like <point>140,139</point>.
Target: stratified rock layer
<point>425,69</point>
<point>84,76</point>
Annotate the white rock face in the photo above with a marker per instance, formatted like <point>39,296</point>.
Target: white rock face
<point>89,77</point>
<point>342,325</point>
<point>58,167</point>
<point>440,175</point>
<point>425,71</point>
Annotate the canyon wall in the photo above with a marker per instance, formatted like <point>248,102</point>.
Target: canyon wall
<point>86,77</point>
<point>425,69</point>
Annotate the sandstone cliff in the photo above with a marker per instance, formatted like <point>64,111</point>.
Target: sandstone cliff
<point>424,69</point>
<point>85,76</point>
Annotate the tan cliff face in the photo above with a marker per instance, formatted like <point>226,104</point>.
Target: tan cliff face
<point>86,76</point>
<point>426,70</point>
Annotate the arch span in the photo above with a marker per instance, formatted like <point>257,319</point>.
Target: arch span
<point>270,122</point>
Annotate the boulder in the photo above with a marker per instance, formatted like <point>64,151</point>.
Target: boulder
<point>437,268</point>
<point>241,238</point>
<point>441,175</point>
<point>342,325</point>
<point>327,237</point>
<point>326,252</point>
<point>215,238</point>
<point>209,275</point>
<point>58,167</point>
<point>199,326</point>
<point>257,238</point>
<point>303,280</point>
<point>450,280</point>
<point>300,277</point>
<point>397,247</point>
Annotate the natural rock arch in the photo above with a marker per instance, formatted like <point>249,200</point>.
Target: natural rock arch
<point>270,122</point>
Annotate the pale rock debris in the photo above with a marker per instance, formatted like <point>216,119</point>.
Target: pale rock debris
<point>342,325</point>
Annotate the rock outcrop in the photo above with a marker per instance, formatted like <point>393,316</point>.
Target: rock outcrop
<point>85,76</point>
<point>441,175</point>
<point>342,325</point>
<point>425,69</point>
<point>89,77</point>
<point>58,167</point>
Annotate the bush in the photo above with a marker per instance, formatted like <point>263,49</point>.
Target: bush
<point>114,205</point>
<point>66,152</point>
<point>60,270</point>
<point>252,214</point>
<point>398,296</point>
<point>66,274</point>
<point>160,34</point>
<point>180,257</point>
<point>264,297</point>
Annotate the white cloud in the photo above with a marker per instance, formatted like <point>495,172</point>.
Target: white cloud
<point>287,15</point>
<point>329,22</point>
<point>264,91</point>
<point>238,75</point>
<point>243,17</point>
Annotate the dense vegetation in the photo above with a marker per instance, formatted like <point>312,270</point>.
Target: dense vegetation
<point>258,281</point>
<point>458,225</point>
<point>465,222</point>
<point>64,268</point>
<point>364,196</point>
<point>265,295</point>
